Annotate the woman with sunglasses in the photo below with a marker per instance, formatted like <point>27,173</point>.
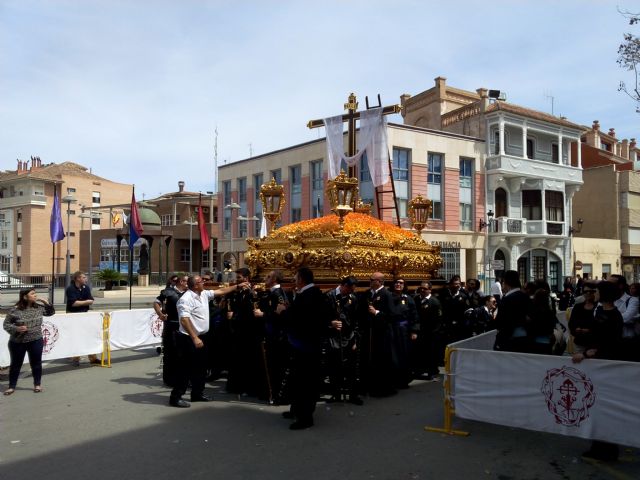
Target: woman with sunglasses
<point>24,325</point>
<point>581,318</point>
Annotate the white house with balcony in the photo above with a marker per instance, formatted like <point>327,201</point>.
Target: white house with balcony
<point>531,173</point>
<point>531,177</point>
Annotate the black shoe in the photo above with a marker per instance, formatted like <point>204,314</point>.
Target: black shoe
<point>301,425</point>
<point>179,403</point>
<point>288,415</point>
<point>356,400</point>
<point>201,398</point>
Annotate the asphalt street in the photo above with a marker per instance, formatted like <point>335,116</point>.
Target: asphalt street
<point>115,423</point>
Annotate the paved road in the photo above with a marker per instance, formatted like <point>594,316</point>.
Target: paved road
<point>114,423</point>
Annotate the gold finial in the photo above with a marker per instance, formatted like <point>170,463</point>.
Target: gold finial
<point>352,103</point>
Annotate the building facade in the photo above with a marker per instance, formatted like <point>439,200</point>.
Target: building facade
<point>26,200</point>
<point>443,166</point>
<point>609,203</point>
<point>531,175</point>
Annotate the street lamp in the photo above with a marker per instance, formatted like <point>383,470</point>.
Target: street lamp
<point>419,213</point>
<point>68,199</point>
<point>91,215</point>
<point>191,223</point>
<point>233,206</point>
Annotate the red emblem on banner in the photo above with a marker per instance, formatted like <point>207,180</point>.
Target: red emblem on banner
<point>49,336</point>
<point>156,325</point>
<point>569,394</point>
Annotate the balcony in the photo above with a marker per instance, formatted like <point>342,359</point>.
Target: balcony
<point>511,166</point>
<point>521,226</point>
<point>23,200</point>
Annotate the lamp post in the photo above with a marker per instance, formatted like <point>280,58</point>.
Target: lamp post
<point>68,199</point>
<point>211,198</point>
<point>190,222</point>
<point>233,206</point>
<point>247,219</point>
<point>91,215</point>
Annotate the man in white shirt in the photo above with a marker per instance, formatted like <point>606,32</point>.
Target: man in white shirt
<point>496,289</point>
<point>193,312</point>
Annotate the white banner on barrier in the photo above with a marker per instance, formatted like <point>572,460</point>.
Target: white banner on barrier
<point>134,328</point>
<point>595,399</point>
<point>65,335</point>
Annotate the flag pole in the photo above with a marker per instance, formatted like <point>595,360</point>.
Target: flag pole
<point>53,256</point>
<point>130,266</point>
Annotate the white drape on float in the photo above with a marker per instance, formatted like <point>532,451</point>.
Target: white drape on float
<point>372,139</point>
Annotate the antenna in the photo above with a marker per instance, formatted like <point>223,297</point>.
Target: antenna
<point>250,150</point>
<point>549,94</point>
<point>215,161</point>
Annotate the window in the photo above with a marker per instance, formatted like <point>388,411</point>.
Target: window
<point>605,146</point>
<point>95,199</point>
<point>401,163</point>
<point>72,212</point>
<point>530,148</point>
<point>450,262</point>
<point>185,255</point>
<point>258,180</point>
<point>205,259</point>
<point>316,175</point>
<point>242,189</point>
<point>70,190</point>
<point>226,192</point>
<point>554,206</point>
<point>496,142</point>
<point>242,228</point>
<point>539,267</point>
<point>19,240</point>
<point>466,172</point>
<point>296,215</point>
<point>38,189</point>
<point>4,240</point>
<point>167,219</point>
<point>587,271</point>
<point>532,204</point>
<point>606,270</point>
<point>555,153</point>
<point>365,175</point>
<point>72,234</point>
<point>19,216</point>
<point>277,174</point>
<point>434,187</point>
<point>465,216</point>
<point>295,174</point>
<point>95,221</point>
<point>501,202</point>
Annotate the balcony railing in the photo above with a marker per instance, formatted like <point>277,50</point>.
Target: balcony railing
<point>525,167</point>
<point>522,226</point>
<point>22,200</point>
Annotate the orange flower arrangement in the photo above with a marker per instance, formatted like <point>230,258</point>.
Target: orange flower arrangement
<point>354,223</point>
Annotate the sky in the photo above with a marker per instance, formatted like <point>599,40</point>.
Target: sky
<point>136,89</point>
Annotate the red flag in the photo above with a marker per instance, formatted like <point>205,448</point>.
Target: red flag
<point>135,225</point>
<point>204,233</point>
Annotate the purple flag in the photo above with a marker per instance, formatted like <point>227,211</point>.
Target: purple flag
<point>55,223</point>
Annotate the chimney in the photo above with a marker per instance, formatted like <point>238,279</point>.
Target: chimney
<point>403,101</point>
<point>596,125</point>
<point>632,144</point>
<point>612,132</point>
<point>624,149</point>
<point>181,186</point>
<point>441,86</point>
<point>484,98</point>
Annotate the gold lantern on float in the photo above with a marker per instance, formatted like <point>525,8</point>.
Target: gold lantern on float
<point>419,212</point>
<point>343,195</point>
<point>272,198</point>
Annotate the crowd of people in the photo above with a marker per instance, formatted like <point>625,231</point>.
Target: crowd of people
<point>289,347</point>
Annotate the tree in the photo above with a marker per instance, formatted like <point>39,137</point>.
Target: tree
<point>629,59</point>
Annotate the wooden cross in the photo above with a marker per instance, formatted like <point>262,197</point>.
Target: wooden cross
<point>352,106</point>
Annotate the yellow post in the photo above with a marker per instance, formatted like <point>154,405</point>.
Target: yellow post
<point>449,411</point>
<point>105,360</point>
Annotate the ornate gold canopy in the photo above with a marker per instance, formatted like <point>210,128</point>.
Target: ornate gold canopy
<point>364,245</point>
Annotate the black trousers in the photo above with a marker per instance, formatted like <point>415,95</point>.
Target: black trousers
<point>169,353</point>
<point>304,384</point>
<point>192,364</point>
<point>17,352</point>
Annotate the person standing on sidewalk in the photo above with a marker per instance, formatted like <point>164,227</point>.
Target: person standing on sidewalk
<point>24,325</point>
<point>193,311</point>
<point>79,300</point>
<point>166,307</point>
